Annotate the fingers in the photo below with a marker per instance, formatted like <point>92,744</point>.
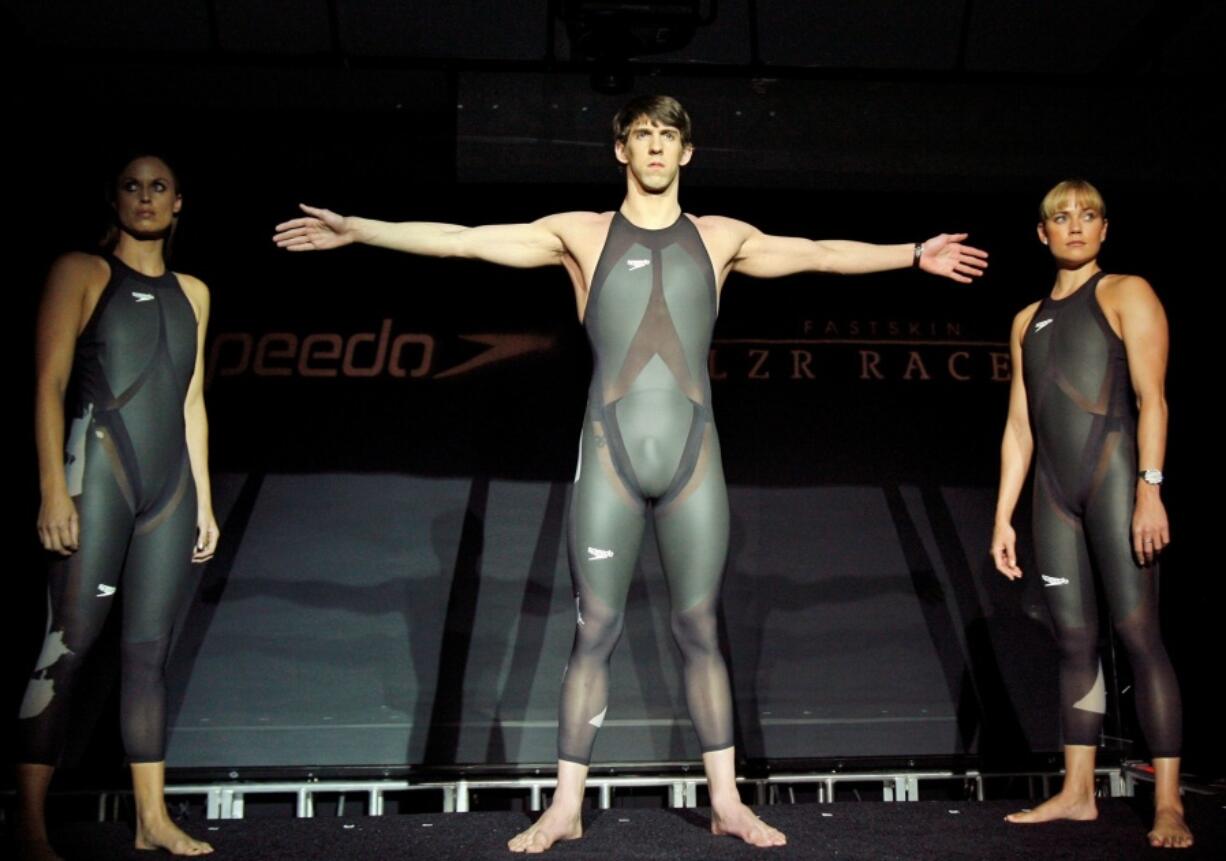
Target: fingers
<point>206,543</point>
<point>297,238</point>
<point>1006,561</point>
<point>59,538</point>
<point>50,541</point>
<point>296,222</point>
<point>67,535</point>
<point>1148,541</point>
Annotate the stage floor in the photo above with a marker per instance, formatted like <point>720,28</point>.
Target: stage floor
<point>850,830</point>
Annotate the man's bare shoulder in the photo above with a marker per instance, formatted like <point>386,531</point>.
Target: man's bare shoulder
<point>722,225</point>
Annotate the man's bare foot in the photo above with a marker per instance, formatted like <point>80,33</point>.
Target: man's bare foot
<point>737,820</point>
<point>554,825</point>
<point>1170,831</point>
<point>1077,807</point>
<point>162,833</point>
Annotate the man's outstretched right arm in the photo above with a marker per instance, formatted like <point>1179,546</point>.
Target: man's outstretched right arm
<point>521,245</point>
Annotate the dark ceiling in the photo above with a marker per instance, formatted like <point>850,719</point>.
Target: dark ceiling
<point>846,93</point>
<point>1042,38</point>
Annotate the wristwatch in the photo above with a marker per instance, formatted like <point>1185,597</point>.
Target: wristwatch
<point>1150,476</point>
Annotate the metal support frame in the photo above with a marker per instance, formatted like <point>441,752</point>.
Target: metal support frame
<point>227,800</point>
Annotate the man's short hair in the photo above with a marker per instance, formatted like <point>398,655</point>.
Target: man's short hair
<point>1077,190</point>
<point>664,110</point>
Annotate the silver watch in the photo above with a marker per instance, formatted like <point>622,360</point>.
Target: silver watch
<point>1150,476</point>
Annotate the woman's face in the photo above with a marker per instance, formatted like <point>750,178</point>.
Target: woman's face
<point>146,200</point>
<point>1074,233</point>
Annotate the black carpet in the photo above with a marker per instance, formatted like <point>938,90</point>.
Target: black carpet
<point>916,830</point>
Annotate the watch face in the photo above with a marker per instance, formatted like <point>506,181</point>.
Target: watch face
<point>1152,476</point>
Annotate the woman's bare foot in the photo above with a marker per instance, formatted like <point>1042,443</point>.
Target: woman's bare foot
<point>555,824</point>
<point>737,820</point>
<point>1170,831</point>
<point>1075,806</point>
<point>161,833</point>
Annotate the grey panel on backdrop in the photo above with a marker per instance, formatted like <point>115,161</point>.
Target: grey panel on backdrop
<point>831,655</point>
<point>324,647</point>
<point>1015,620</point>
<point>331,616</point>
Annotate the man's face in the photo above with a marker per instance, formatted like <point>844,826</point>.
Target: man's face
<point>653,154</point>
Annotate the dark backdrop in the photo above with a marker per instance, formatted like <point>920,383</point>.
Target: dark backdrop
<point>906,461</point>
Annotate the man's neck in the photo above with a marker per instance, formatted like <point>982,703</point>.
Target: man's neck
<point>648,210</point>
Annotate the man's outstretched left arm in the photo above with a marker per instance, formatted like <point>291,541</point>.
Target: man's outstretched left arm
<point>764,256</point>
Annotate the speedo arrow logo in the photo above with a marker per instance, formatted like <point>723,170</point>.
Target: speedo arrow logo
<point>499,347</point>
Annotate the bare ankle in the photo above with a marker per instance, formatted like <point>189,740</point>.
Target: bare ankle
<point>726,801</point>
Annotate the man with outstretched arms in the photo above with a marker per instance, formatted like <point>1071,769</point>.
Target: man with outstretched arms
<point>647,280</point>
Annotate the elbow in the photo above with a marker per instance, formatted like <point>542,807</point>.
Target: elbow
<point>1152,404</point>
<point>826,262</point>
<point>51,388</point>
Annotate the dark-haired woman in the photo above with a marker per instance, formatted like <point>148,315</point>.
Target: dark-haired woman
<point>1087,401</point>
<point>126,507</point>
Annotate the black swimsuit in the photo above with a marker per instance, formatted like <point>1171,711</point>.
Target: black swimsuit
<point>128,472</point>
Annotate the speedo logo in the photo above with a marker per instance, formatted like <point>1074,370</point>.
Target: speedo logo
<point>1054,581</point>
<point>385,352</point>
<point>142,297</point>
<point>637,264</point>
<point>1042,324</point>
<point>595,554</point>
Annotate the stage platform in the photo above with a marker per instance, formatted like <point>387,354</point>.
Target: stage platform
<point>868,830</point>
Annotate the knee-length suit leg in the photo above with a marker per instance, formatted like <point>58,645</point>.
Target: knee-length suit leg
<point>605,530</point>
<point>157,578</point>
<point>144,561</point>
<point>1132,595</point>
<point>1063,560</point>
<point>81,589</point>
<point>692,533</point>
